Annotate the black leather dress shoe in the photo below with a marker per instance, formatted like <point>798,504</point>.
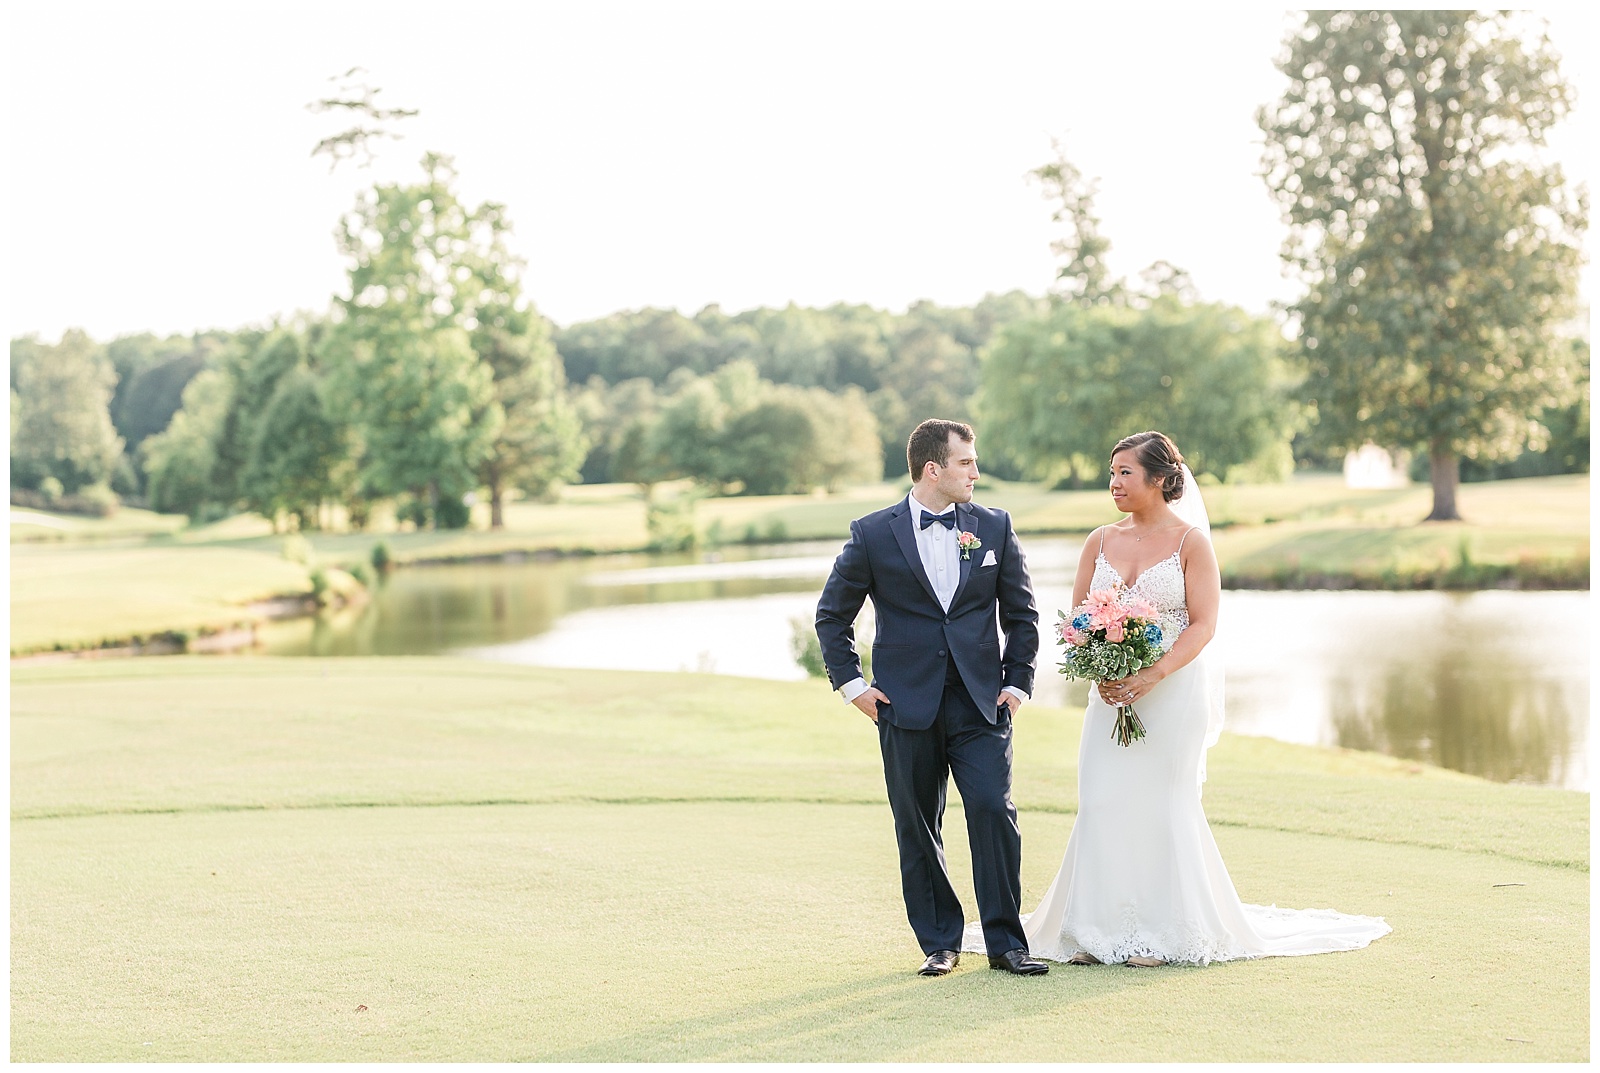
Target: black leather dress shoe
<point>939,962</point>
<point>1018,962</point>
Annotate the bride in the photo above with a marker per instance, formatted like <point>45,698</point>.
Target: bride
<point>1142,883</point>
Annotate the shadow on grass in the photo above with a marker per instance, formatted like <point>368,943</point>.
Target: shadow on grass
<point>884,1017</point>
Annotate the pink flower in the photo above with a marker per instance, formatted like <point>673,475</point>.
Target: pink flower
<point>1101,598</point>
<point>1139,607</point>
<point>1114,632</point>
<point>1104,609</point>
<point>1101,618</point>
<point>1075,638</point>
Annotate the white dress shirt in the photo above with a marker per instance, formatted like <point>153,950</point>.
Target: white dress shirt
<point>940,551</point>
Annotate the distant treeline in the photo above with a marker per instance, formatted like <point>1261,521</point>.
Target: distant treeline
<point>895,369</point>
<point>764,401</point>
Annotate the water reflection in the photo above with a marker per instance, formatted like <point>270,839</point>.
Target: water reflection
<point>471,605</point>
<point>1493,683</point>
<point>1448,711</point>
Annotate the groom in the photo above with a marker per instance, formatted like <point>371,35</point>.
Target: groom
<point>939,568</point>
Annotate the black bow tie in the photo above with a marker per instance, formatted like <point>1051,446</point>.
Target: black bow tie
<point>947,519</point>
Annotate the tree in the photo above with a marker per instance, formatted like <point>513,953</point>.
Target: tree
<point>1084,275</point>
<point>616,421</point>
<point>298,454</point>
<point>1437,251</point>
<point>254,365</point>
<point>1110,358</point>
<point>1059,391</point>
<point>425,268</point>
<point>731,429</point>
<point>686,437</point>
<point>798,349</point>
<point>847,443</point>
<point>770,446</point>
<point>541,442</point>
<point>354,96</point>
<point>180,461</point>
<point>61,428</point>
<point>913,365</point>
<point>1567,448</point>
<point>151,376</point>
<point>422,407</point>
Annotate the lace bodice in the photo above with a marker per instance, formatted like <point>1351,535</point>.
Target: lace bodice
<point>1161,584</point>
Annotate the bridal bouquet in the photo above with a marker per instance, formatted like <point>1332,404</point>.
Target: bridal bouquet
<point>1111,635</point>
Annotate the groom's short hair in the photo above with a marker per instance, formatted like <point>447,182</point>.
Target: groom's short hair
<point>930,442</point>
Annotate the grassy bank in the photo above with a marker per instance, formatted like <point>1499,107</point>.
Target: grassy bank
<point>1531,533</point>
<point>1504,521</point>
<point>91,595</point>
<point>234,859</point>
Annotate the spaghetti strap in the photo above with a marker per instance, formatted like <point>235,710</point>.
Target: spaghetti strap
<point>1102,540</point>
<point>1186,533</point>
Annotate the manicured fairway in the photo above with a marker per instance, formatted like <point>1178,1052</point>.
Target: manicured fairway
<point>227,859</point>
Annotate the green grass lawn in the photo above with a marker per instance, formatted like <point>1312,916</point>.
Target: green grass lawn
<point>1503,520</point>
<point>34,526</point>
<point>82,596</point>
<point>245,859</point>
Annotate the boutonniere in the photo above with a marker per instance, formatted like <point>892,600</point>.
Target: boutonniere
<point>966,542</point>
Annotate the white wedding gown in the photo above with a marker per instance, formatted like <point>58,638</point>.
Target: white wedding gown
<point>1142,875</point>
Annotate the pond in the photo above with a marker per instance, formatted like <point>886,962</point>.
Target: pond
<point>1491,683</point>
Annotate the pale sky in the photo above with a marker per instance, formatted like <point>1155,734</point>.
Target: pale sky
<point>668,155</point>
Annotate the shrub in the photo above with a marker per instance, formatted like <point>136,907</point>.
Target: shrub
<point>94,500</point>
<point>453,512</point>
<point>319,586</point>
<point>671,525</point>
<point>806,648</point>
<point>297,549</point>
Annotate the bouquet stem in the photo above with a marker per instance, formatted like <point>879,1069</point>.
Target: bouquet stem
<point>1127,728</point>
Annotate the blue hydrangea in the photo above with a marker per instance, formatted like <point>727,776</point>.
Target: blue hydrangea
<point>1081,622</point>
<point>1152,633</point>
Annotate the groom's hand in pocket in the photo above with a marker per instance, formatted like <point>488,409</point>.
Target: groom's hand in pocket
<point>1008,700</point>
<point>868,702</point>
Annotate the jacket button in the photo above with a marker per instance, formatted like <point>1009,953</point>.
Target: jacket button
<point>941,651</point>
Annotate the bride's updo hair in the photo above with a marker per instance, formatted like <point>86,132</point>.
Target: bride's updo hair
<point>1160,458</point>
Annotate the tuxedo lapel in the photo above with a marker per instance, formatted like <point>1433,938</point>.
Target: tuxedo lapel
<point>901,525</point>
<point>964,524</point>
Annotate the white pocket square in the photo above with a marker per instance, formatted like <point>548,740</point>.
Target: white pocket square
<point>988,559</point>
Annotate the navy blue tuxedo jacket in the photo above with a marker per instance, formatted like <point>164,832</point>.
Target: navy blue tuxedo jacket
<point>915,636</point>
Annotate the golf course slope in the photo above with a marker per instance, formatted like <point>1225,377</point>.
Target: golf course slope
<point>241,859</point>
